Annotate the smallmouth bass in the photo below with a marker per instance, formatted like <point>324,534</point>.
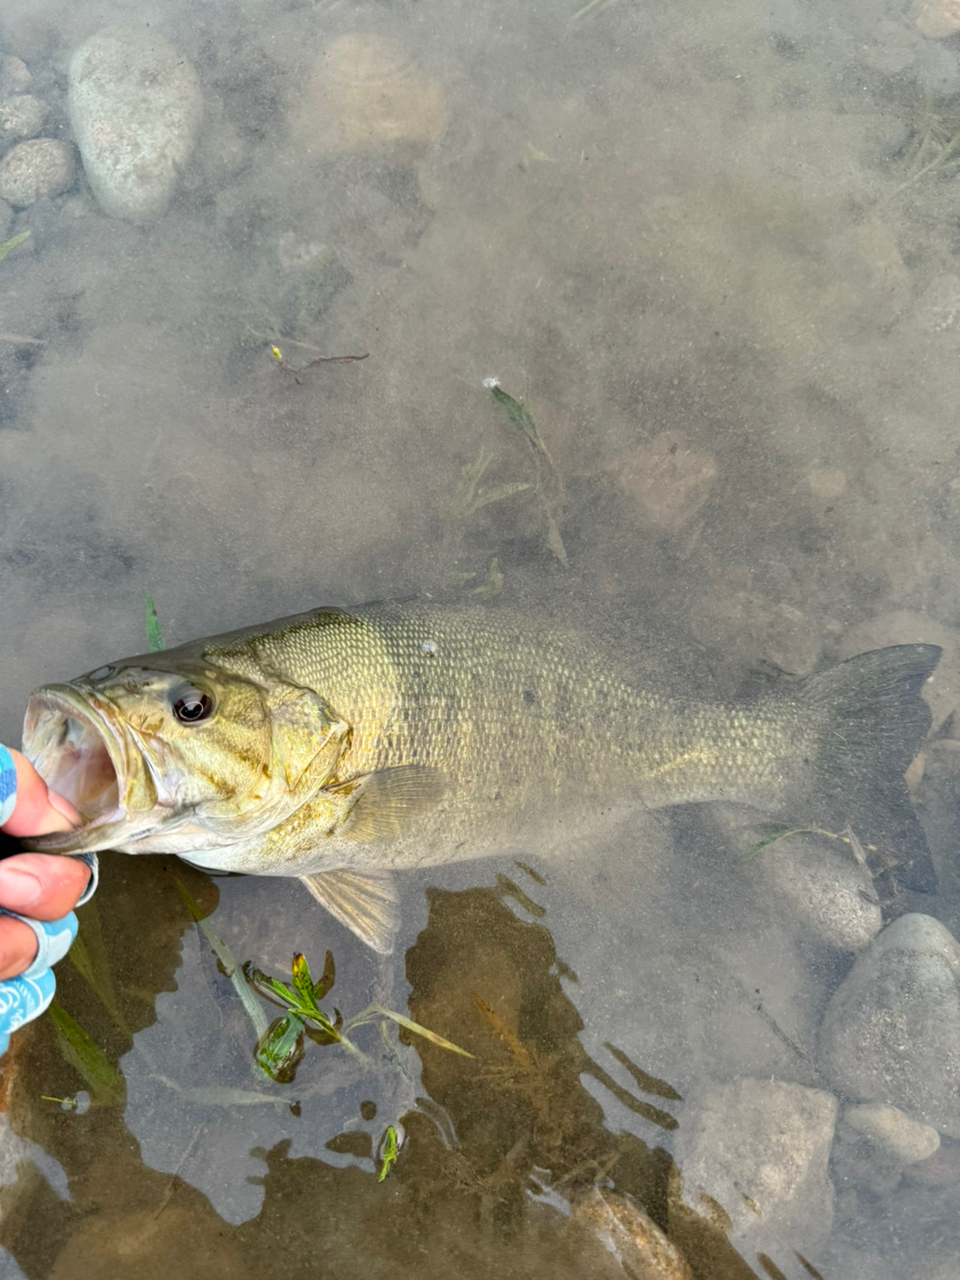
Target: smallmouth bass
<point>339,745</point>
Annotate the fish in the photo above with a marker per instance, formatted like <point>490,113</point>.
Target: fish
<point>342,745</point>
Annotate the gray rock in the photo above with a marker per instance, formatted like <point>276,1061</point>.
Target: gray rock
<point>876,1143</point>
<point>828,894</point>
<point>38,167</point>
<point>891,1032</point>
<point>15,76</point>
<point>892,1132</point>
<point>760,1149</point>
<point>6,220</point>
<point>21,116</point>
<point>136,107</point>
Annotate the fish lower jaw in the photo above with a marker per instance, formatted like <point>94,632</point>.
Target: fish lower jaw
<point>75,755</point>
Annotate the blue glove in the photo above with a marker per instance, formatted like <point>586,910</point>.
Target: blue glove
<point>24,998</point>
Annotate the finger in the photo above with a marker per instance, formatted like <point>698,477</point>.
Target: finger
<point>18,946</point>
<point>42,885</point>
<point>39,810</point>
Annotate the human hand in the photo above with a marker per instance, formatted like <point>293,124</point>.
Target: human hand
<point>39,888</point>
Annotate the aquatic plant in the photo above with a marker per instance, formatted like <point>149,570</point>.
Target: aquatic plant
<point>281,1044</point>
<point>12,243</point>
<point>549,485</point>
<point>153,628</point>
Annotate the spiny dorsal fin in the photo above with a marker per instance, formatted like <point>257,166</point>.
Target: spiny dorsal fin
<point>367,902</point>
<point>386,803</point>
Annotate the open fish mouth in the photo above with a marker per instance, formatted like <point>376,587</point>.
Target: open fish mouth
<point>80,753</point>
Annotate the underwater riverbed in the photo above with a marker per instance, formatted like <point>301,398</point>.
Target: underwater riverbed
<point>642,319</point>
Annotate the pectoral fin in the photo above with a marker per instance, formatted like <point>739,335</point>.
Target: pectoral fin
<point>384,805</point>
<point>367,902</point>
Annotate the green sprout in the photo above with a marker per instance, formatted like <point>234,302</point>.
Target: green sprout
<point>388,1151</point>
<point>470,498</point>
<point>154,630</point>
<point>281,1043</point>
<point>304,1017</point>
<point>549,486</point>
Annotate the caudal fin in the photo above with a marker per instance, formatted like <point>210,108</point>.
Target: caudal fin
<point>873,722</point>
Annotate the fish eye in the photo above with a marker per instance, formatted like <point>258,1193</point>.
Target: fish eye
<point>192,706</point>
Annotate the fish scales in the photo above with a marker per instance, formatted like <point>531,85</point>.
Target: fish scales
<point>337,745</point>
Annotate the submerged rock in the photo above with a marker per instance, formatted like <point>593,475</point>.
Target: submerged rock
<point>759,630</point>
<point>21,116</point>
<point>665,482</point>
<point>891,1032</point>
<point>829,894</point>
<point>624,1230</point>
<point>364,95</point>
<point>759,1148</point>
<point>15,75</point>
<point>135,107</point>
<point>36,168</point>
<point>876,1143</point>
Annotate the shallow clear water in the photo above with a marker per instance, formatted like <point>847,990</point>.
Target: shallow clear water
<point>713,250</point>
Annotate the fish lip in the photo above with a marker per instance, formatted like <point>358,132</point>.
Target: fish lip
<point>61,701</point>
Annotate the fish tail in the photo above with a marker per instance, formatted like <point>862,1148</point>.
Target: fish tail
<point>872,721</point>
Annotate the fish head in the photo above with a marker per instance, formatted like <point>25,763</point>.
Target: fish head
<point>163,752</point>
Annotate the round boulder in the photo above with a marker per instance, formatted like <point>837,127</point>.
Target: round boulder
<point>135,107</point>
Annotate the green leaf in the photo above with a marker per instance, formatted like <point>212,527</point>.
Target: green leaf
<point>520,418</point>
<point>388,1150</point>
<point>496,495</point>
<point>155,640</point>
<point>280,1049</point>
<point>326,978</point>
<point>87,1058</point>
<point>302,980</point>
<point>270,988</point>
<point>12,244</point>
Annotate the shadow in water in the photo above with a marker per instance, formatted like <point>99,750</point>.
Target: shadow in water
<point>507,1165</point>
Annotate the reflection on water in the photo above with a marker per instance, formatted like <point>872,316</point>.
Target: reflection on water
<point>709,254</point>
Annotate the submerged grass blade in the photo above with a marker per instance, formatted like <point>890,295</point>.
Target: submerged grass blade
<point>12,244</point>
<point>88,955</point>
<point>251,1004</point>
<point>154,630</point>
<point>772,838</point>
<point>88,1059</point>
<point>415,1027</point>
<point>497,495</point>
<point>847,837</point>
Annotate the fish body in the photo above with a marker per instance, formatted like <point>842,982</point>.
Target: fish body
<point>340,745</point>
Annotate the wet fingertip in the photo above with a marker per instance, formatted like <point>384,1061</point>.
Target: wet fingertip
<point>63,806</point>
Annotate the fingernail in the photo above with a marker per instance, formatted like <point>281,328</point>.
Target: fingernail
<point>19,889</point>
<point>64,807</point>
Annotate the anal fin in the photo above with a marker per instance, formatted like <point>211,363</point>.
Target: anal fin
<point>367,902</point>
